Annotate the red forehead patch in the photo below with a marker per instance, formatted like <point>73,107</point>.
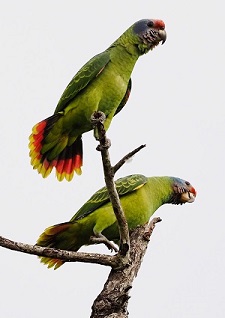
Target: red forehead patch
<point>159,24</point>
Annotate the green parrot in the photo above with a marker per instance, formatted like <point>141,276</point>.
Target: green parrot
<point>140,197</point>
<point>102,84</point>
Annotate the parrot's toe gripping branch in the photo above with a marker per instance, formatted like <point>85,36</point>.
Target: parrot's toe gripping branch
<point>98,117</point>
<point>106,145</point>
<point>100,238</point>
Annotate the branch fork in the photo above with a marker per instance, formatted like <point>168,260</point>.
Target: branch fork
<point>113,300</point>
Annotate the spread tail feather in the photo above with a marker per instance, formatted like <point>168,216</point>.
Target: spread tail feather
<point>60,153</point>
<point>57,236</point>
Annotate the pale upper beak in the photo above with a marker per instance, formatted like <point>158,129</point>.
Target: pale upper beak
<point>188,197</point>
<point>162,35</point>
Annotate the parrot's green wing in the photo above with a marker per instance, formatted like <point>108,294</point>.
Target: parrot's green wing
<point>125,98</point>
<point>123,185</point>
<point>82,78</point>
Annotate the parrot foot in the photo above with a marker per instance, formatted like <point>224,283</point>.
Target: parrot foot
<point>97,120</point>
<point>100,238</point>
<point>98,117</point>
<point>106,145</point>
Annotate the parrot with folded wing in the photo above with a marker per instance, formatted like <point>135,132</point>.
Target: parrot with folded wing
<point>102,84</point>
<point>140,197</point>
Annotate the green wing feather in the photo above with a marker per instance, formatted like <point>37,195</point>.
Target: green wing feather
<point>125,98</point>
<point>123,185</point>
<point>82,78</point>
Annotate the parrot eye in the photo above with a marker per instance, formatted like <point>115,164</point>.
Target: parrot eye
<point>150,23</point>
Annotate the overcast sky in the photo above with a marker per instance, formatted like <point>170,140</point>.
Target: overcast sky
<point>176,107</point>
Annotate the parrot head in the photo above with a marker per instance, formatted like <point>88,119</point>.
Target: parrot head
<point>183,192</point>
<point>150,33</point>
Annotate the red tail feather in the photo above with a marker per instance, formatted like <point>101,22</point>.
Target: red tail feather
<point>68,161</point>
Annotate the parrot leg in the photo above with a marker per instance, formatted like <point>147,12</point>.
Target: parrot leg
<point>96,118</point>
<point>100,238</point>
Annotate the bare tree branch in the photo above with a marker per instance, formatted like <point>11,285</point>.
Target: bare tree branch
<point>114,261</point>
<point>98,120</point>
<point>67,256</point>
<point>113,300</point>
<point>127,157</point>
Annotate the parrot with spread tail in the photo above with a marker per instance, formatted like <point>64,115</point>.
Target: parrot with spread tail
<point>102,84</point>
<point>140,197</point>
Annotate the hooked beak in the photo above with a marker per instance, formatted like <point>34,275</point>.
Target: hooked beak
<point>162,35</point>
<point>187,197</point>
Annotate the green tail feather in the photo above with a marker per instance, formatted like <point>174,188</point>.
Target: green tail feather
<point>59,236</point>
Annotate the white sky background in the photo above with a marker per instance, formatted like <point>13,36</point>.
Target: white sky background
<point>176,107</point>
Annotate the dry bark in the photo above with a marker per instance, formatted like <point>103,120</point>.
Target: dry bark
<point>113,300</point>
